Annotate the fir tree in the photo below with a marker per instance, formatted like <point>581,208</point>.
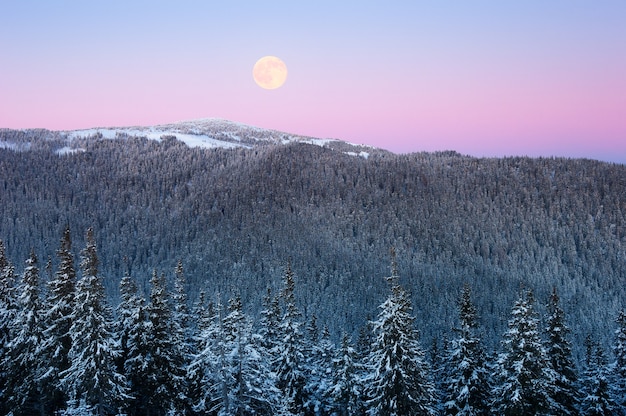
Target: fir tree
<point>288,352</point>
<point>619,367</point>
<point>207,367</point>
<point>345,389</point>
<point>60,305</point>
<point>253,389</point>
<point>467,386</point>
<point>92,378</point>
<point>8,310</point>
<point>399,381</point>
<point>524,371</point>
<point>598,393</point>
<point>127,311</point>
<point>24,393</point>
<point>270,324</point>
<point>181,328</point>
<point>134,329</point>
<point>165,364</point>
<point>565,392</point>
<point>319,367</point>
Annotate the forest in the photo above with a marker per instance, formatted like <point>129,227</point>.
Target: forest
<point>236,217</point>
<point>64,350</point>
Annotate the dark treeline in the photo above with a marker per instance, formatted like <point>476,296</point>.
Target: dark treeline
<point>65,351</point>
<point>234,215</point>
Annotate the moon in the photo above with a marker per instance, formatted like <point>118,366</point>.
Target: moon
<point>269,72</point>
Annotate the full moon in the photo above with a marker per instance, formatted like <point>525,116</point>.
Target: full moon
<point>269,72</point>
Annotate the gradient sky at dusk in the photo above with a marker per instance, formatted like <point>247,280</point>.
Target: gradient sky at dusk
<point>486,78</point>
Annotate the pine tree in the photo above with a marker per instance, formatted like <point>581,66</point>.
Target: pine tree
<point>524,371</point>
<point>181,330</point>
<point>207,366</point>
<point>270,324</point>
<point>318,366</point>
<point>289,357</point>
<point>253,390</point>
<point>92,377</point>
<point>59,310</point>
<point>399,381</point>
<point>565,391</point>
<point>124,314</point>
<point>8,310</point>
<point>467,387</point>
<point>345,389</point>
<point>165,366</point>
<point>134,333</point>
<point>597,390</point>
<point>22,360</point>
<point>619,366</point>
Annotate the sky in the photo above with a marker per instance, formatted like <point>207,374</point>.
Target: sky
<point>485,78</point>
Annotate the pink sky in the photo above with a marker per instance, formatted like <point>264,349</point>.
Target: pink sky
<point>490,79</point>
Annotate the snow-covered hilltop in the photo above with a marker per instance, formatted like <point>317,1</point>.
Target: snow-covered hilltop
<point>210,133</point>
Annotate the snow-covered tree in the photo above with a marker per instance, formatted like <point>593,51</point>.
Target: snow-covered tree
<point>524,375</point>
<point>345,389</point>
<point>92,377</point>
<point>59,310</point>
<point>467,390</point>
<point>619,366</point>
<point>22,361</point>
<point>398,382</point>
<point>134,333</point>
<point>269,325</point>
<point>289,359</point>
<point>598,392</point>
<point>8,309</point>
<point>565,392</point>
<point>206,368</point>
<point>235,375</point>
<point>165,363</point>
<point>181,327</point>
<point>319,366</point>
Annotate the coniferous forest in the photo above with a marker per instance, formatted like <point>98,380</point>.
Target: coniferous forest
<point>67,351</point>
<point>258,280</point>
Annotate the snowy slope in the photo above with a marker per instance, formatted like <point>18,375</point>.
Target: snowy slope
<point>214,133</point>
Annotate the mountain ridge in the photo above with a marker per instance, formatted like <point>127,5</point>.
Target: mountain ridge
<point>203,133</point>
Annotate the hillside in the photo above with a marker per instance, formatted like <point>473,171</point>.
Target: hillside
<point>234,203</point>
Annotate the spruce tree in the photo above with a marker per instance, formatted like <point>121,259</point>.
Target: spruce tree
<point>8,310</point>
<point>399,382</point>
<point>24,392</point>
<point>564,392</point>
<point>345,389</point>
<point>206,369</point>
<point>467,390</point>
<point>270,324</point>
<point>134,333</point>
<point>319,366</point>
<point>181,330</point>
<point>524,368</point>
<point>60,305</point>
<point>165,363</point>
<point>253,389</point>
<point>289,361</point>
<point>92,378</point>
<point>619,366</point>
<point>597,389</point>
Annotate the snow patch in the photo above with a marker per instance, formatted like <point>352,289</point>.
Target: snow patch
<point>68,151</point>
<point>191,140</point>
<point>364,155</point>
<point>15,146</point>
